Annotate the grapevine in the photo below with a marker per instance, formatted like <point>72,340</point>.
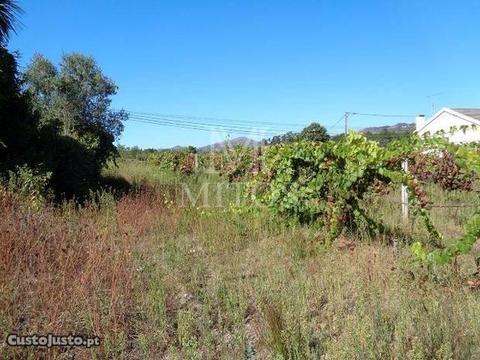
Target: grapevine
<point>325,182</point>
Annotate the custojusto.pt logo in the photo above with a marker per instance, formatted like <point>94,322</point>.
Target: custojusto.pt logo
<point>51,340</point>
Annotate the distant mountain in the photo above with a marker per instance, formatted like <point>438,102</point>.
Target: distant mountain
<point>242,140</point>
<point>397,128</point>
<point>385,134</point>
<point>229,143</point>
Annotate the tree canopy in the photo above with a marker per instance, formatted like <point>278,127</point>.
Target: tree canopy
<point>58,120</point>
<point>9,13</point>
<point>77,96</point>
<point>17,123</point>
<point>313,132</point>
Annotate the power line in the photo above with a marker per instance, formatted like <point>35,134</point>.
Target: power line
<point>193,127</point>
<point>234,126</point>
<point>336,123</point>
<point>209,119</point>
<point>383,115</point>
<point>210,128</point>
<point>198,123</point>
<point>211,124</point>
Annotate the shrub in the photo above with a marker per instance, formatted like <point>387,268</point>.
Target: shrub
<point>29,184</point>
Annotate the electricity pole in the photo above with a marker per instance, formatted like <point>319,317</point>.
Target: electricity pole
<point>347,114</point>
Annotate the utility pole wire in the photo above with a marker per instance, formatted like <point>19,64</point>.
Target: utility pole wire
<point>193,127</point>
<point>209,119</point>
<point>336,123</point>
<point>235,126</point>
<point>196,123</point>
<point>197,128</point>
<point>382,115</point>
<point>209,129</point>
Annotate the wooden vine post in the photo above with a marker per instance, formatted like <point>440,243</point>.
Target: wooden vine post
<point>404,193</point>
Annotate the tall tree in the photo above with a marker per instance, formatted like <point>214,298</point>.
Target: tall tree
<point>9,13</point>
<point>77,95</point>
<point>73,102</point>
<point>17,123</point>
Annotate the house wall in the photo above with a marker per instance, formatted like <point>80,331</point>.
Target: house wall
<point>445,121</point>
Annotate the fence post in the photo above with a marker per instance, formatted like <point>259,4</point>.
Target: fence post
<point>257,153</point>
<point>404,193</point>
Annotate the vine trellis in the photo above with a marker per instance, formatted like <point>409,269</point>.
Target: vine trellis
<point>325,182</point>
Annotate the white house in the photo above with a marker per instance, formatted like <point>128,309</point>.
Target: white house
<point>447,118</point>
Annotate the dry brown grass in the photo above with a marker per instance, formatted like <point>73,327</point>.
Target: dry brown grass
<point>159,281</point>
<point>67,270</point>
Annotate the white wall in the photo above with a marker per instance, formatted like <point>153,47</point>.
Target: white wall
<point>444,121</point>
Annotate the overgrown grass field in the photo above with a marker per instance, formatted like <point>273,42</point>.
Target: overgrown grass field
<point>159,277</point>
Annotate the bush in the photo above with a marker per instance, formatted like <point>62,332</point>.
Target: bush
<point>29,184</point>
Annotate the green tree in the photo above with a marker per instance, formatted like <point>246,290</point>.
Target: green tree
<point>284,138</point>
<point>73,102</point>
<point>9,13</point>
<point>17,124</point>
<point>314,132</point>
<point>12,104</point>
<point>77,96</point>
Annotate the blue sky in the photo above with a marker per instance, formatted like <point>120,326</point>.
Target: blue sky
<point>266,61</point>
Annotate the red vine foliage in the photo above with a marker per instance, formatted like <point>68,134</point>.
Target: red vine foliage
<point>441,169</point>
<point>188,164</point>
